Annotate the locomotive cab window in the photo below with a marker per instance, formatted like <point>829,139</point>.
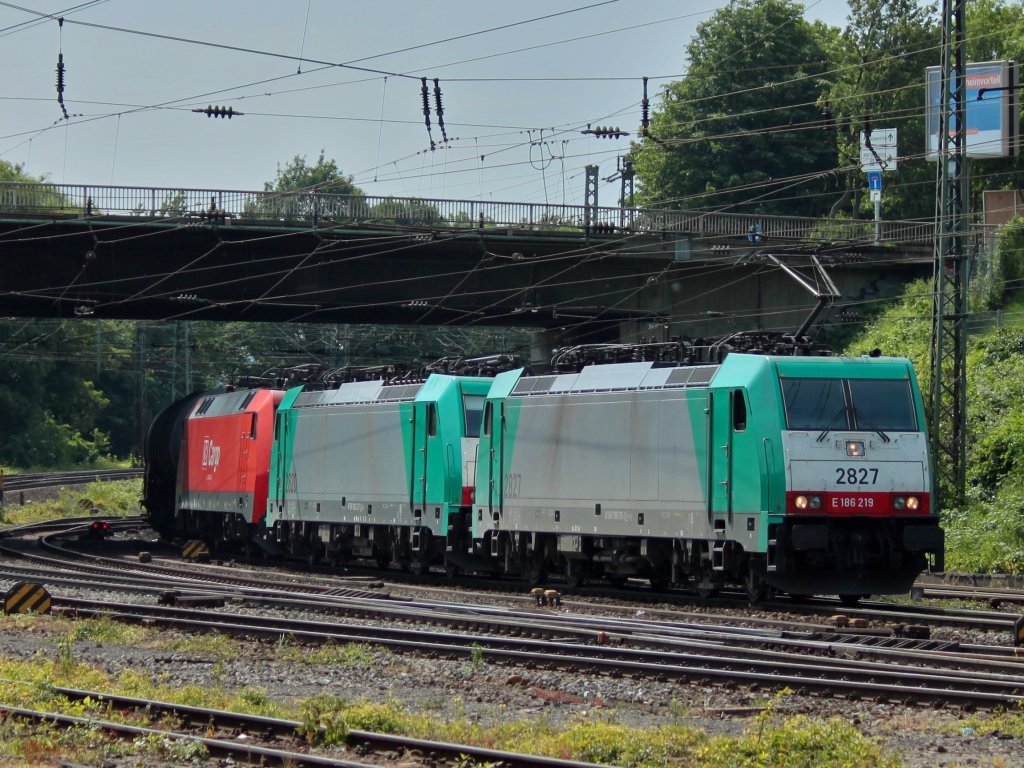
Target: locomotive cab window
<point>828,405</point>
<point>739,411</point>
<point>886,405</point>
<point>814,404</point>
<point>432,419</point>
<point>472,407</point>
<point>488,409</point>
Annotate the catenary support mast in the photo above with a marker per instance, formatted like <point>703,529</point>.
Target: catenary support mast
<point>948,390</point>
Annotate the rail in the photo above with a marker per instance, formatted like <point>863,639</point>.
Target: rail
<point>27,481</point>
<point>318,209</point>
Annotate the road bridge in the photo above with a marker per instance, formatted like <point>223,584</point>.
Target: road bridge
<point>606,273</point>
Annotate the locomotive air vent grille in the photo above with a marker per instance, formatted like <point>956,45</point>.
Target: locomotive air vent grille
<point>535,385</point>
<point>308,399</point>
<point>399,392</point>
<point>692,376</point>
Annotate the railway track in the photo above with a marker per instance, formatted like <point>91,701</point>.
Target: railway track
<point>31,480</point>
<point>273,741</point>
<point>820,659</point>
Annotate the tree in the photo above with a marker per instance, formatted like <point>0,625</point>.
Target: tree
<point>875,82</point>
<point>995,31</point>
<point>299,176</point>
<point>743,128</point>
<point>304,191</point>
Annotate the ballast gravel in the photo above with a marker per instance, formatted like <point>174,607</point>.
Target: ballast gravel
<point>488,693</point>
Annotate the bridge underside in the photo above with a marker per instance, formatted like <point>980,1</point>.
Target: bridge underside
<point>611,286</point>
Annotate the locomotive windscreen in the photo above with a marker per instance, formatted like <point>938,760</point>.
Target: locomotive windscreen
<point>857,404</point>
<point>473,405</point>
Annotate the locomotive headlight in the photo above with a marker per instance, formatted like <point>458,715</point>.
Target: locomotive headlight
<point>854,447</point>
<point>807,502</point>
<point>913,502</point>
<point>815,502</point>
<point>801,502</point>
<point>899,503</point>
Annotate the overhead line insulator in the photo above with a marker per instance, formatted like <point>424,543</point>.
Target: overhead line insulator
<point>608,132</point>
<point>227,112</point>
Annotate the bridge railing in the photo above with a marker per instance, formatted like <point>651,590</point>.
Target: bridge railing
<point>325,209</point>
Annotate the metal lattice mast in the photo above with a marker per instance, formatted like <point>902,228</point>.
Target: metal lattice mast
<point>948,391</point>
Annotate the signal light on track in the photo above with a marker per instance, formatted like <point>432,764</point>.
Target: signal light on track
<point>99,529</point>
<point>227,112</point>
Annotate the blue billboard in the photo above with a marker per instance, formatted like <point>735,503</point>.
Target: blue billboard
<point>992,120</point>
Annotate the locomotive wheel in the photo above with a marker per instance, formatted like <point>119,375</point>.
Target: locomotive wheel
<point>617,580</point>
<point>659,583</point>
<point>534,574</point>
<point>451,571</point>
<point>418,568</point>
<point>757,589</point>
<point>574,576</point>
<point>706,591</point>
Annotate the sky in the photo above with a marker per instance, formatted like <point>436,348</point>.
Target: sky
<point>519,82</point>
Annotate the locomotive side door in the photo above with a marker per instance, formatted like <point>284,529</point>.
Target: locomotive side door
<point>720,456</point>
<point>494,434</point>
<point>424,427</point>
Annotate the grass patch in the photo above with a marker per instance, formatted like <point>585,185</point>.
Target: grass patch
<point>114,499</point>
<point>1009,722</point>
<point>770,740</point>
<point>330,655</point>
<point>216,646</point>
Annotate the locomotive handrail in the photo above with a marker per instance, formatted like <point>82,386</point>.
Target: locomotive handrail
<point>311,208</point>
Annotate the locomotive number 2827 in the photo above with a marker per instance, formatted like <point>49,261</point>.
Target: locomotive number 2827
<point>856,475</point>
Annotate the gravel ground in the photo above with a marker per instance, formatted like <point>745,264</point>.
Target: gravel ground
<point>488,693</point>
<point>491,694</point>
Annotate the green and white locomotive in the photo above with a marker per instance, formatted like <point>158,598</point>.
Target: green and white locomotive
<point>374,470</point>
<point>806,474</point>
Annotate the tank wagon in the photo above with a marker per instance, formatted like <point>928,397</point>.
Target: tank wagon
<point>806,474</point>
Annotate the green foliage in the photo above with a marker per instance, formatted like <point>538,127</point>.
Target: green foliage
<point>744,116</point>
<point>877,66</point>
<point>323,176</point>
<point>80,392</point>
<point>797,742</point>
<point>12,172</point>
<point>902,328</point>
<point>117,498</point>
<point>996,408</point>
<point>1007,263</point>
<point>347,655</point>
<point>301,188</point>
<point>988,536</point>
<point>1008,722</point>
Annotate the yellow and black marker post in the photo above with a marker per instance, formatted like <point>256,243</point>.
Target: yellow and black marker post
<point>196,550</point>
<point>27,597</point>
